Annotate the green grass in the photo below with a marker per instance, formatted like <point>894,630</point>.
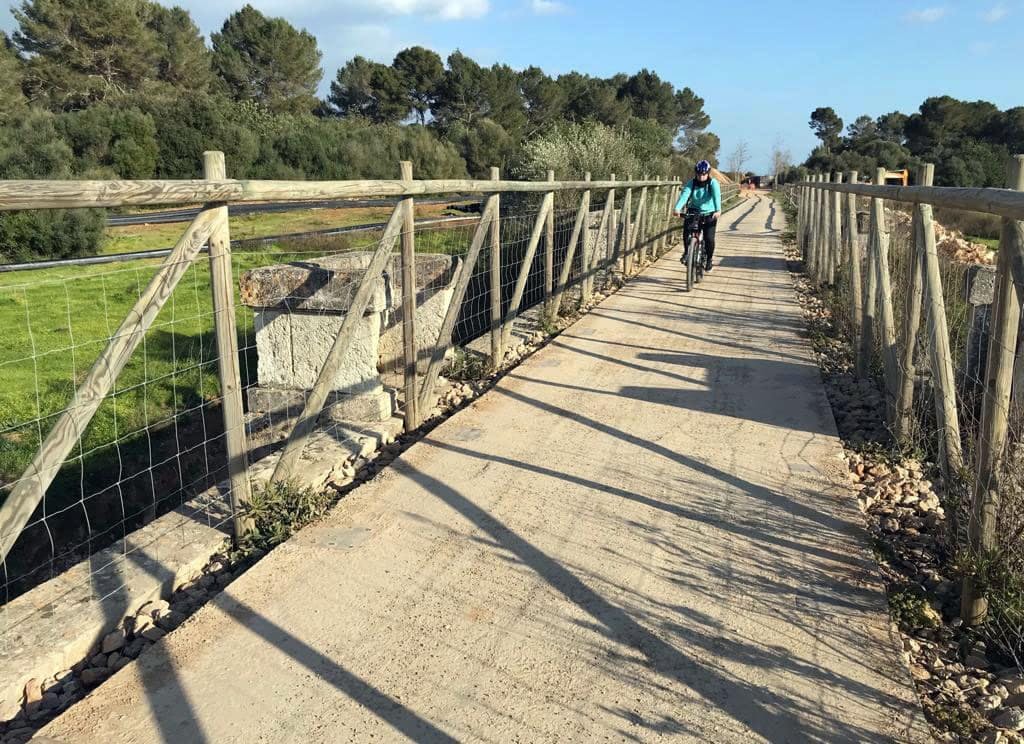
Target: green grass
<point>134,238</point>
<point>990,243</point>
<point>163,414</point>
<point>58,320</point>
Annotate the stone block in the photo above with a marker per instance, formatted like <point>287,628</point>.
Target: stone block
<point>330,283</point>
<point>324,284</point>
<point>293,345</point>
<point>980,285</point>
<point>55,625</point>
<point>431,307</point>
<point>434,273</point>
<point>373,403</point>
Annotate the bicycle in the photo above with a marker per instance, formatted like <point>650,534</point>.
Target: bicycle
<point>693,239</point>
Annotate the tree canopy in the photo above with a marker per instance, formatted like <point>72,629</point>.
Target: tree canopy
<point>268,60</point>
<point>968,141</point>
<point>130,89</point>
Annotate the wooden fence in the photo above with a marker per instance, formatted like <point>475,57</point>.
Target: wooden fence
<point>624,248</point>
<point>827,233</point>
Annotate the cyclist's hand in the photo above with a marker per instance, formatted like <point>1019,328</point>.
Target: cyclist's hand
<point>716,215</point>
<point>678,214</point>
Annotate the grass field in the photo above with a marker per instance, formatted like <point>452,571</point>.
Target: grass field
<point>58,320</point>
<point>133,238</point>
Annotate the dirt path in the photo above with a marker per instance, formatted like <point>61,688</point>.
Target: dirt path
<point>635,536</point>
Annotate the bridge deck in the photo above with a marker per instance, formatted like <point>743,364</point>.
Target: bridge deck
<point>637,535</point>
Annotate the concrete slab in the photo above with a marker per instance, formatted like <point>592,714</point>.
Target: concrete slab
<point>642,533</point>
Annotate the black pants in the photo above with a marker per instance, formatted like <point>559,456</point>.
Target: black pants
<point>691,225</point>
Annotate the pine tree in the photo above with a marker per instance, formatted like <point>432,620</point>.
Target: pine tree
<point>82,51</point>
<point>268,60</point>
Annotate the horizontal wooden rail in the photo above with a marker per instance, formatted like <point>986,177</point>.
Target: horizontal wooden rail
<point>82,194</point>
<point>1003,202</point>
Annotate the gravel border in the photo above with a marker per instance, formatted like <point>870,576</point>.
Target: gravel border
<point>968,694</point>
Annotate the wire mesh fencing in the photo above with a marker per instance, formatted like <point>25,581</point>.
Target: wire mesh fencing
<point>156,451</point>
<point>156,438</point>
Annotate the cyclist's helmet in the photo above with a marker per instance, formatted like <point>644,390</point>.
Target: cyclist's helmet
<point>702,168</point>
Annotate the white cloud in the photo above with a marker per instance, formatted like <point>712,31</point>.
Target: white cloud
<point>450,10</point>
<point>547,7</point>
<point>996,13</point>
<point>980,48</point>
<point>927,15</point>
<point>315,14</point>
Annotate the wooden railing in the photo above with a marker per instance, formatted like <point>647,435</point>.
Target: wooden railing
<point>827,234</point>
<point>643,235</point>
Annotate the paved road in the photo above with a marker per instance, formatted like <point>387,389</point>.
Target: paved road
<point>636,536</point>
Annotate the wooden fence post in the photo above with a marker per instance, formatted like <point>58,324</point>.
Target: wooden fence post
<point>222,284</point>
<point>812,228</point>
<point>627,230</point>
<point>497,347</point>
<point>657,211</point>
<point>612,230</point>
<point>410,353</point>
<point>911,322</point>
<point>586,247</point>
<point>805,229</point>
<point>946,415</point>
<point>824,233</point>
<point>639,248</point>
<point>992,437</point>
<point>670,203</point>
<point>880,234</point>
<point>801,222</point>
<point>800,192</point>
<point>836,237</point>
<point>549,249</point>
<point>577,235</point>
<point>853,252</point>
<point>869,322</point>
<point>809,195</point>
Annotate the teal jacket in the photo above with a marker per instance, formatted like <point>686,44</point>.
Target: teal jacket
<point>706,198</point>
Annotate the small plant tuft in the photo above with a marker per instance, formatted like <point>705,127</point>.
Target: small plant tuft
<point>278,511</point>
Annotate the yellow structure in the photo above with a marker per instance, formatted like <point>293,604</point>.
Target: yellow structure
<point>897,177</point>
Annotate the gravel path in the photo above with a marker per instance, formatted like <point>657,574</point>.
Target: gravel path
<point>640,534</point>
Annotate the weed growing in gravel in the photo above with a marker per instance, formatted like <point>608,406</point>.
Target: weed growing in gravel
<point>910,609</point>
<point>278,511</point>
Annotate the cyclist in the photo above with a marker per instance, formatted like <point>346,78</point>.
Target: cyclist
<point>704,196</point>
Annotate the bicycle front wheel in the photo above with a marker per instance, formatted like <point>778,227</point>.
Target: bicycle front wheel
<point>691,263</point>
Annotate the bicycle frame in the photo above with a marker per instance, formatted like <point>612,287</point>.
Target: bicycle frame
<point>693,230</point>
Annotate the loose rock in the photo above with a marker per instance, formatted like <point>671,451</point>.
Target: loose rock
<point>1011,719</point>
<point>93,676</point>
<point>114,640</point>
<point>33,691</point>
<point>154,634</point>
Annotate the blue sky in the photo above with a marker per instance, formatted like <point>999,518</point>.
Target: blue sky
<point>760,67</point>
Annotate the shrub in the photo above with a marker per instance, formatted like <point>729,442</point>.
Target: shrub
<point>31,147</point>
<point>121,139</point>
<point>572,149</point>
